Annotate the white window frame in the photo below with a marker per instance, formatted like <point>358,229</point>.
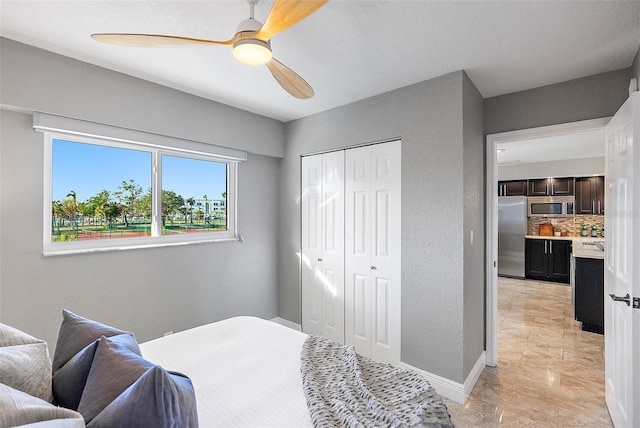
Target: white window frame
<point>104,135</point>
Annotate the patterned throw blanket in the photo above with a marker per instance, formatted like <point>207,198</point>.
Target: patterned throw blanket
<point>344,389</point>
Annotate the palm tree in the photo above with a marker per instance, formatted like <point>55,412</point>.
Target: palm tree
<point>73,216</point>
<point>191,202</point>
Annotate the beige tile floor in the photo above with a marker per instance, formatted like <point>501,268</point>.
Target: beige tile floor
<point>549,374</point>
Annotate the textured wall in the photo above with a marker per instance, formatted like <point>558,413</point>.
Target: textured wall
<point>474,221</point>
<point>635,67</point>
<point>149,291</point>
<point>590,97</point>
<point>428,118</point>
<point>39,80</point>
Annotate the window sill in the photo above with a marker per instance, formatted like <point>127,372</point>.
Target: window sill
<point>48,251</point>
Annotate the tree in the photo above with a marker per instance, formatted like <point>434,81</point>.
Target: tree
<point>96,206</point>
<point>190,202</point>
<point>128,194</point>
<point>67,209</point>
<point>111,211</point>
<point>143,206</point>
<point>171,203</point>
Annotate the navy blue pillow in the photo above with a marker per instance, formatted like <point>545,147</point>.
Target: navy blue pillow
<point>123,390</point>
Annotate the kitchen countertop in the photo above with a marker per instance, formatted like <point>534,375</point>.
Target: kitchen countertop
<point>563,238</point>
<point>585,248</point>
<point>582,246</point>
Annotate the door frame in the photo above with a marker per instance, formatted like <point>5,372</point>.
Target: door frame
<point>491,206</point>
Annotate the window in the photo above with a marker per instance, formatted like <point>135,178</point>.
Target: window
<point>105,193</point>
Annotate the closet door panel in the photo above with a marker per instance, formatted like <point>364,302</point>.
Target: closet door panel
<point>311,255</point>
<point>333,245</point>
<point>358,245</point>
<point>323,245</point>
<point>385,256</point>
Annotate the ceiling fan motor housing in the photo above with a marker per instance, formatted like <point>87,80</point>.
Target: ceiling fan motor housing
<point>249,24</point>
<point>246,48</point>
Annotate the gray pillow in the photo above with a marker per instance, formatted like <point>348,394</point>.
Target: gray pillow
<point>159,398</point>
<point>18,408</point>
<point>113,370</point>
<point>69,381</point>
<point>77,332</point>
<point>24,363</point>
<point>123,390</point>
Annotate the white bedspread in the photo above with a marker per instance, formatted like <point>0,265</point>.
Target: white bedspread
<point>245,371</point>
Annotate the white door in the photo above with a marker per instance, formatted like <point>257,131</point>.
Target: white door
<point>622,268</point>
<point>372,250</point>
<point>323,245</point>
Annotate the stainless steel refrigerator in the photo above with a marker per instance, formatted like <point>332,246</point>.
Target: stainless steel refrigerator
<point>512,228</point>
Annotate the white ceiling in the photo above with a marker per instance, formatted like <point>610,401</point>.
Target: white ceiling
<point>579,145</point>
<point>347,50</point>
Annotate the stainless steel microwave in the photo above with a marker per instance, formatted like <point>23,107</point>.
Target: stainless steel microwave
<point>551,206</point>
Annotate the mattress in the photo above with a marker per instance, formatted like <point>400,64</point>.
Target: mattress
<point>245,371</point>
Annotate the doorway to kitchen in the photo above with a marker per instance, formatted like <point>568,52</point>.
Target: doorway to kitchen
<point>493,142</point>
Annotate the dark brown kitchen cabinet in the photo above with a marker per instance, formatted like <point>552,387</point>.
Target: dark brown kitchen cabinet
<point>561,186</point>
<point>551,187</point>
<point>512,188</point>
<point>547,259</point>
<point>589,293</point>
<point>590,195</point>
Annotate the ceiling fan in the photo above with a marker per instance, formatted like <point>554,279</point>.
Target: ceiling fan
<point>251,43</point>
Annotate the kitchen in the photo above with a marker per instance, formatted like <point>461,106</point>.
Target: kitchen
<point>551,217</point>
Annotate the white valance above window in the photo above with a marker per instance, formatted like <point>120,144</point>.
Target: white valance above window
<point>43,122</point>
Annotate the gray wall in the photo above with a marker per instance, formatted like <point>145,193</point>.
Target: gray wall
<point>428,117</point>
<point>560,168</point>
<point>39,80</point>
<point>635,67</point>
<point>474,220</point>
<point>590,97</point>
<point>148,291</point>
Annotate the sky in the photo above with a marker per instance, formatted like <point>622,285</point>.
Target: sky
<point>87,169</point>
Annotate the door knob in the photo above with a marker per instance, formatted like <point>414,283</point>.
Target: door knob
<point>626,299</point>
<point>373,268</point>
<point>319,259</point>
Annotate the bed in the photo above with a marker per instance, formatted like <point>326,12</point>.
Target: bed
<point>240,372</point>
<point>247,372</point>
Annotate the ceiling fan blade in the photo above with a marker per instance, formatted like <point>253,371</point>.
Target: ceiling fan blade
<point>289,80</point>
<point>286,13</point>
<point>152,40</point>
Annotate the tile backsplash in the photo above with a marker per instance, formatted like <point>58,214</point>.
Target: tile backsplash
<point>571,225</point>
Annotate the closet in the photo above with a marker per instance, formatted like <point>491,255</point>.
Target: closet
<point>351,210</point>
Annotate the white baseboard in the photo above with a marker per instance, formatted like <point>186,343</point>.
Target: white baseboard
<point>453,390</point>
<point>286,323</point>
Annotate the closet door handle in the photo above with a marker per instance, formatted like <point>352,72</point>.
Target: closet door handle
<point>373,268</point>
<point>319,259</point>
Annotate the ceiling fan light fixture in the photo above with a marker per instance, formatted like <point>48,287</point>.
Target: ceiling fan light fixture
<point>252,51</point>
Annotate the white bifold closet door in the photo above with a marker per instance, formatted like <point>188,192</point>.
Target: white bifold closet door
<point>372,250</point>
<point>351,206</point>
<point>323,245</point>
